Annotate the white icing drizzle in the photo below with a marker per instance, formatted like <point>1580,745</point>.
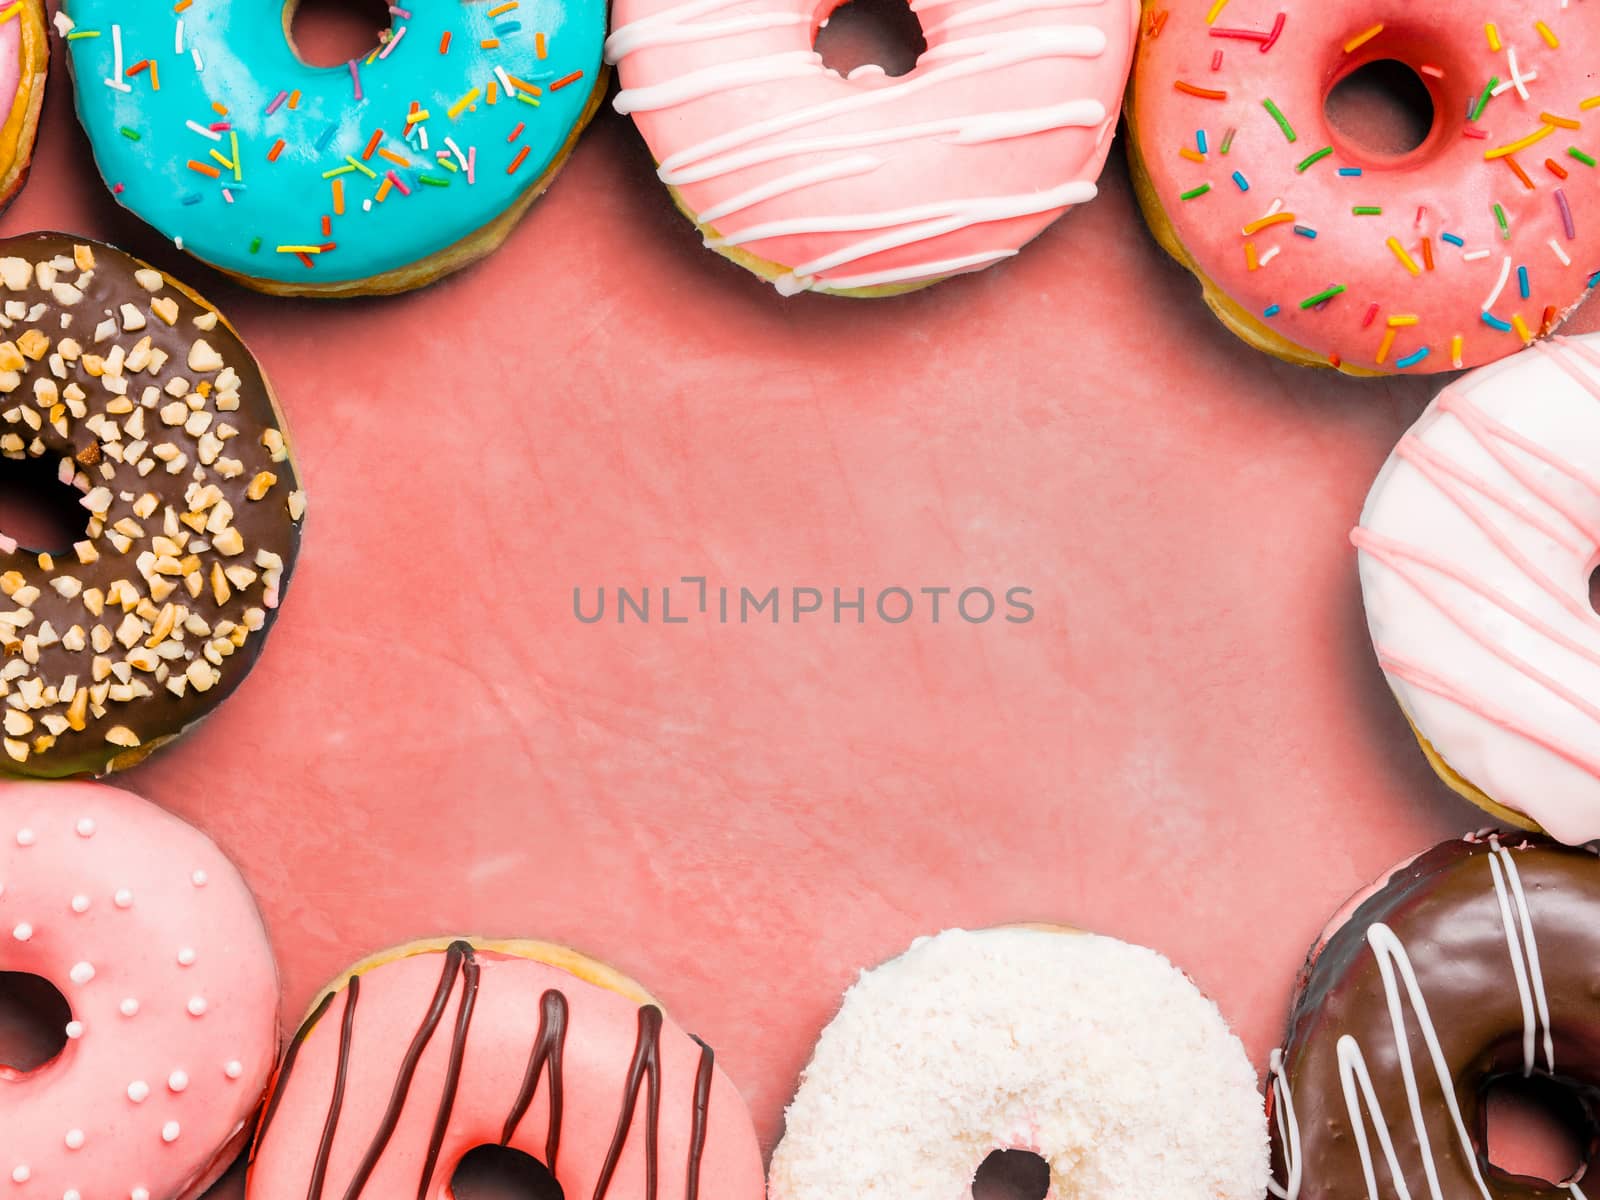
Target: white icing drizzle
<point>1530,979</point>
<point>723,77</point>
<point>1391,955</point>
<point>1078,41</point>
<point>647,35</point>
<point>966,130</point>
<point>968,213</point>
<point>927,270</point>
<point>844,168</point>
<point>1288,1130</point>
<point>1395,969</point>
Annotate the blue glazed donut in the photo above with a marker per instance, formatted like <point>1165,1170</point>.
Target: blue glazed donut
<point>376,176</point>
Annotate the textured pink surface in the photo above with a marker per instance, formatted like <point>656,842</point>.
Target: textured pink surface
<point>1190,746</point>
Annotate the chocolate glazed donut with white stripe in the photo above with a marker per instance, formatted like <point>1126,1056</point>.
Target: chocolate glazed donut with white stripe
<point>1472,962</point>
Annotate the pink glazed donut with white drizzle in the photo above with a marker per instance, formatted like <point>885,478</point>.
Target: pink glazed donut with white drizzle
<point>153,940</point>
<point>866,184</point>
<point>1476,546</point>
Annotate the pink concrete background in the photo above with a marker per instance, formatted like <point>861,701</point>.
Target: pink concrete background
<point>1190,746</point>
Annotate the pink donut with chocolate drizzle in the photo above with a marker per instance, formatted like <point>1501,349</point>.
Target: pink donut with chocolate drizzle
<point>1477,545</point>
<point>425,1053</point>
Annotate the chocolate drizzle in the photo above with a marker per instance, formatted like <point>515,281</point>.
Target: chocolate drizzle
<point>547,1048</point>
<point>702,1111</point>
<point>545,1057</point>
<point>319,1170</point>
<point>454,957</point>
<point>646,1063</point>
<point>282,1082</point>
<point>452,1078</point>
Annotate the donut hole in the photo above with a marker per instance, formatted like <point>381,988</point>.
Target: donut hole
<point>33,1021</point>
<point>1383,110</point>
<point>1011,1175</point>
<point>37,510</point>
<point>870,37</point>
<point>1594,590</point>
<point>329,33</point>
<point>502,1173</point>
<point>1537,1128</point>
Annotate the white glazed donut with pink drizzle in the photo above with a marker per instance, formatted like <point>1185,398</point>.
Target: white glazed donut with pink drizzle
<point>151,936</point>
<point>869,184</point>
<point>1476,547</point>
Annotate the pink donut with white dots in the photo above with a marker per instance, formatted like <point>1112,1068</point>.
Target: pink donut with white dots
<point>157,946</point>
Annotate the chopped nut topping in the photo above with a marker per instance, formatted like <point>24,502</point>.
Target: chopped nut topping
<point>170,578</point>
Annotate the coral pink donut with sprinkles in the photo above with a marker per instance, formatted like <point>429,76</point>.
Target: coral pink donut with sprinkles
<point>867,184</point>
<point>1322,251</point>
<point>154,941</point>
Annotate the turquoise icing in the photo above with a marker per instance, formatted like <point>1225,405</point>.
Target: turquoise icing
<point>143,142</point>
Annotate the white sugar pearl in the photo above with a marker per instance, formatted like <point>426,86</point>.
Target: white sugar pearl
<point>177,1081</point>
<point>170,1131</point>
<point>186,957</point>
<point>139,1194</point>
<point>81,973</point>
<point>233,1068</point>
<point>138,1091</point>
<point>20,1173</point>
<point>22,932</point>
<point>123,898</point>
<point>80,904</point>
<point>74,1030</point>
<point>129,1007</point>
<point>26,837</point>
<point>199,879</point>
<point>197,1006</point>
<point>74,1139</point>
<point>71,1194</point>
<point>86,827</point>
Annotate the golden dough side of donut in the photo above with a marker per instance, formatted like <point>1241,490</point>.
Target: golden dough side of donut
<point>476,245</point>
<point>563,958</point>
<point>22,123</point>
<point>768,270</point>
<point>1240,321</point>
<point>1459,784</point>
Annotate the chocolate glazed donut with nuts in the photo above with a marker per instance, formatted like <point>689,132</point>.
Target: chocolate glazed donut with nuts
<point>153,409</point>
<point>1472,962</point>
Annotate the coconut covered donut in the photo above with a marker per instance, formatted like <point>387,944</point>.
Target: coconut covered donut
<point>424,1053</point>
<point>1472,962</point>
<point>868,185</point>
<point>1476,547</point>
<point>147,404</point>
<point>155,942</point>
<point>1099,1057</point>
<point>1324,251</point>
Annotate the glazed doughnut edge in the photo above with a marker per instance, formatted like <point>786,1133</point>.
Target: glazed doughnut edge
<point>22,123</point>
<point>1235,317</point>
